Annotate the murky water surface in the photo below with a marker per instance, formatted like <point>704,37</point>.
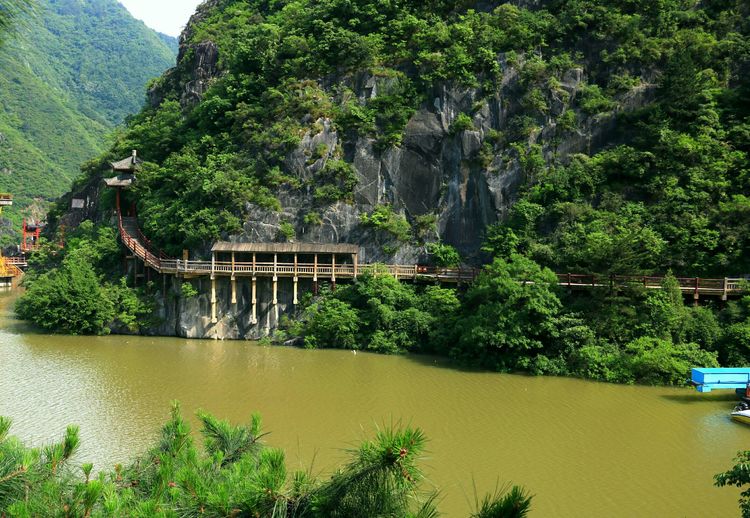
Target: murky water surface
<point>583,448</point>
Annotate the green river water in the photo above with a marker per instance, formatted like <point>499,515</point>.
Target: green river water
<point>583,448</point>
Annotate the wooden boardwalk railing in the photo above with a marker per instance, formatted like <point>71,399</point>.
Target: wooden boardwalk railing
<point>18,261</point>
<point>688,285</point>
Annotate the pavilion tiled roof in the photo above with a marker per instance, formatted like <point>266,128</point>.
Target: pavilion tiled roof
<point>287,248</point>
<point>129,164</point>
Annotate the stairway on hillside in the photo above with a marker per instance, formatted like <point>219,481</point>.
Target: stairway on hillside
<point>136,242</point>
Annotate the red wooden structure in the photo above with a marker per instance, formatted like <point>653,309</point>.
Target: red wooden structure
<point>30,237</point>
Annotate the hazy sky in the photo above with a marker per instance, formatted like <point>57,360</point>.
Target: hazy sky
<point>167,16</point>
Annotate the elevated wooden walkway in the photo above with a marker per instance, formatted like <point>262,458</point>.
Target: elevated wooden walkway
<point>153,258</point>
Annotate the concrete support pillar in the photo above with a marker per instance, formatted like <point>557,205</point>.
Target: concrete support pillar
<point>275,279</point>
<point>296,292</point>
<point>213,300</point>
<point>315,270</point>
<point>333,272</point>
<point>355,258</point>
<point>254,298</point>
<point>725,291</point>
<point>234,283</point>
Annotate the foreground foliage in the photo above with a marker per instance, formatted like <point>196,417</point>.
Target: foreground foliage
<point>234,475</point>
<point>739,476</point>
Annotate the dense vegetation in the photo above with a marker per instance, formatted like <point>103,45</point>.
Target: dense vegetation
<point>76,289</point>
<point>10,12</point>
<point>515,318</point>
<point>234,474</point>
<point>70,72</point>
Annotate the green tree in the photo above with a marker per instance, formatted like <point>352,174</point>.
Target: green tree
<point>739,476</point>
<point>510,314</point>
<point>332,323</point>
<point>444,255</point>
<point>69,299</point>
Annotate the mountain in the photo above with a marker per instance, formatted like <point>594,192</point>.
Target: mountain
<point>171,42</point>
<point>592,135</point>
<point>68,76</point>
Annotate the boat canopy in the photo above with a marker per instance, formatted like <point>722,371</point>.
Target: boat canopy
<point>706,380</point>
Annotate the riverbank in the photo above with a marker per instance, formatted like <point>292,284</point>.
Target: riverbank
<point>583,448</point>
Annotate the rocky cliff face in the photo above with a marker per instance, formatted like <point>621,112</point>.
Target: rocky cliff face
<point>463,178</point>
<point>459,178</point>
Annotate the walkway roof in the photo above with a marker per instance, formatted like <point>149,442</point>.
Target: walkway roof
<point>286,248</point>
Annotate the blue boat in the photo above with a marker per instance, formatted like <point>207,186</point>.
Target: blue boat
<point>706,380</point>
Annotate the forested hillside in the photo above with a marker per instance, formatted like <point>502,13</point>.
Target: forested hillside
<point>69,73</point>
<point>572,135</point>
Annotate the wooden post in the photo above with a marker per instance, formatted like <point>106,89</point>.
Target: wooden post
<point>213,264</point>
<point>355,257</point>
<point>725,291</point>
<point>333,272</point>
<point>696,293</point>
<point>315,271</point>
<point>253,265</point>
